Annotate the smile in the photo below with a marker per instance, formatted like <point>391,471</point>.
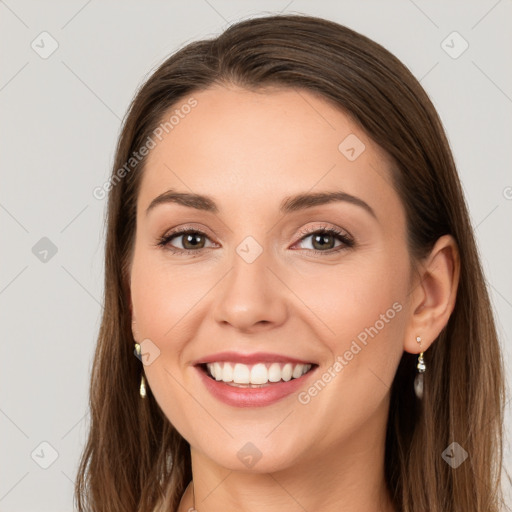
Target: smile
<point>256,385</point>
<point>256,374</point>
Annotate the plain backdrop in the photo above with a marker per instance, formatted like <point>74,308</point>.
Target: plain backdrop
<point>68,72</point>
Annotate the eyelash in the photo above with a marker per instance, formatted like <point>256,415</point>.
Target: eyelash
<point>348,242</point>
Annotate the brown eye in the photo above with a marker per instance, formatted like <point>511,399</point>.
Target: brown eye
<point>324,240</point>
<point>189,240</point>
<point>192,241</point>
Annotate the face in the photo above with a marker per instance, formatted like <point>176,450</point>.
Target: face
<point>260,274</point>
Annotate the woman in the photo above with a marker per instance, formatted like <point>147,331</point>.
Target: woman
<point>290,258</point>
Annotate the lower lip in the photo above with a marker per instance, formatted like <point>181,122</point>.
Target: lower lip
<point>252,397</point>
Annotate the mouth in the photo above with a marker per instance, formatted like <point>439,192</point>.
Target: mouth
<point>257,375</point>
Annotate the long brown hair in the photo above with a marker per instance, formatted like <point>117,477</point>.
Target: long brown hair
<point>133,455</point>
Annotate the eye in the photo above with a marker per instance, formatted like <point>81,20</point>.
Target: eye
<point>324,239</point>
<point>191,241</point>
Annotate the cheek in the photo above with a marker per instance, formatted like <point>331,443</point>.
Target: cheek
<point>361,320</point>
<point>359,310</point>
<point>348,299</point>
<point>163,296</point>
<point>162,299</point>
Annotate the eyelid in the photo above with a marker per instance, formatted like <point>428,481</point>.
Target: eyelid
<point>199,228</point>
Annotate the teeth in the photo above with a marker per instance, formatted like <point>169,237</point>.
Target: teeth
<point>297,371</point>
<point>287,372</point>
<point>260,373</point>
<point>274,372</point>
<point>241,374</point>
<point>227,373</point>
<point>217,371</point>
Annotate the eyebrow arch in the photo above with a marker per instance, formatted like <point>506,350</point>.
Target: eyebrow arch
<point>288,205</point>
<point>196,201</point>
<point>309,200</point>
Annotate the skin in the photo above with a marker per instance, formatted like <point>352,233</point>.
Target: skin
<point>248,151</point>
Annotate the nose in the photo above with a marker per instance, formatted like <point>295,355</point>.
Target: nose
<point>251,298</point>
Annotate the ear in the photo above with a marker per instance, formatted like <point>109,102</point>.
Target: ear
<point>433,295</point>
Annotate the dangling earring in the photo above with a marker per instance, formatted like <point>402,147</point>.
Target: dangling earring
<point>142,389</point>
<point>418,381</point>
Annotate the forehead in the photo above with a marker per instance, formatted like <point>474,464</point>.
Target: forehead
<point>248,147</point>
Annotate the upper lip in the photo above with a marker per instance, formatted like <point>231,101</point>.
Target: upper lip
<point>257,357</point>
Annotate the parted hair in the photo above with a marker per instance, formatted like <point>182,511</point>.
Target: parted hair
<point>134,460</point>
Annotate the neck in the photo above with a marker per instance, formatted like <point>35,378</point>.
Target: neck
<point>348,478</point>
<point>379,501</point>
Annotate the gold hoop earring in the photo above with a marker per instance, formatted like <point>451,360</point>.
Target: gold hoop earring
<point>142,388</point>
<point>421,366</point>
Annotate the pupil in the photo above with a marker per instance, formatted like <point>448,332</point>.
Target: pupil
<point>190,238</point>
<point>323,238</point>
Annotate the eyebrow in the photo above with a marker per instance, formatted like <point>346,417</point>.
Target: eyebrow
<point>288,205</point>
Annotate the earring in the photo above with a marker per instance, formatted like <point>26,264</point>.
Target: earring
<point>142,389</point>
<point>421,366</point>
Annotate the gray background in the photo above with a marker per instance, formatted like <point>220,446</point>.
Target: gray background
<point>60,118</point>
